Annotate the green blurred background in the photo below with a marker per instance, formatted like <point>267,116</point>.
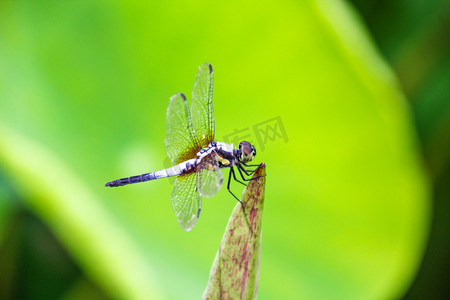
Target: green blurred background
<point>357,191</point>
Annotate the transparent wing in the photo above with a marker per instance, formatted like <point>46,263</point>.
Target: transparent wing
<point>181,143</point>
<point>186,201</point>
<point>202,111</point>
<point>209,176</point>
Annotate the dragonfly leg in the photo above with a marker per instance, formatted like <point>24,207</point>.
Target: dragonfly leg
<point>249,165</point>
<point>240,169</point>
<point>248,173</point>
<point>229,184</point>
<point>234,176</point>
<point>252,171</point>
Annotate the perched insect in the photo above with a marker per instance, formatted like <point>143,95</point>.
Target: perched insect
<point>196,157</point>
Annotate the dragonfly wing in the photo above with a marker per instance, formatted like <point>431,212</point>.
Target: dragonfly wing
<point>209,176</point>
<point>202,111</point>
<point>181,143</point>
<point>186,201</point>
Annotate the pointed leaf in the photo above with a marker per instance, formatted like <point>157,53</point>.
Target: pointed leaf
<point>235,271</point>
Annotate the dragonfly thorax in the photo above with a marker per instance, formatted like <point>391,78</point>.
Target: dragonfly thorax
<point>219,148</point>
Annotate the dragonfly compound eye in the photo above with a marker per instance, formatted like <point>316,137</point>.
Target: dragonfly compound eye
<point>247,152</point>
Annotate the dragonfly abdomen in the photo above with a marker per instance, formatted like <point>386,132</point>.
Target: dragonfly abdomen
<point>132,179</point>
<point>181,168</point>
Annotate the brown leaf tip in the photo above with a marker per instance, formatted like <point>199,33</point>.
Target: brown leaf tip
<point>260,171</point>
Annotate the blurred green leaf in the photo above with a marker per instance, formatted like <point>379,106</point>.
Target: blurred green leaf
<point>235,271</point>
<point>72,211</point>
<point>84,88</point>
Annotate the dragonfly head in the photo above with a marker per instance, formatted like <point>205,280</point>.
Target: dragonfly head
<point>246,152</point>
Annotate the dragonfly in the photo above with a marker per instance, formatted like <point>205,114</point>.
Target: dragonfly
<point>196,157</point>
